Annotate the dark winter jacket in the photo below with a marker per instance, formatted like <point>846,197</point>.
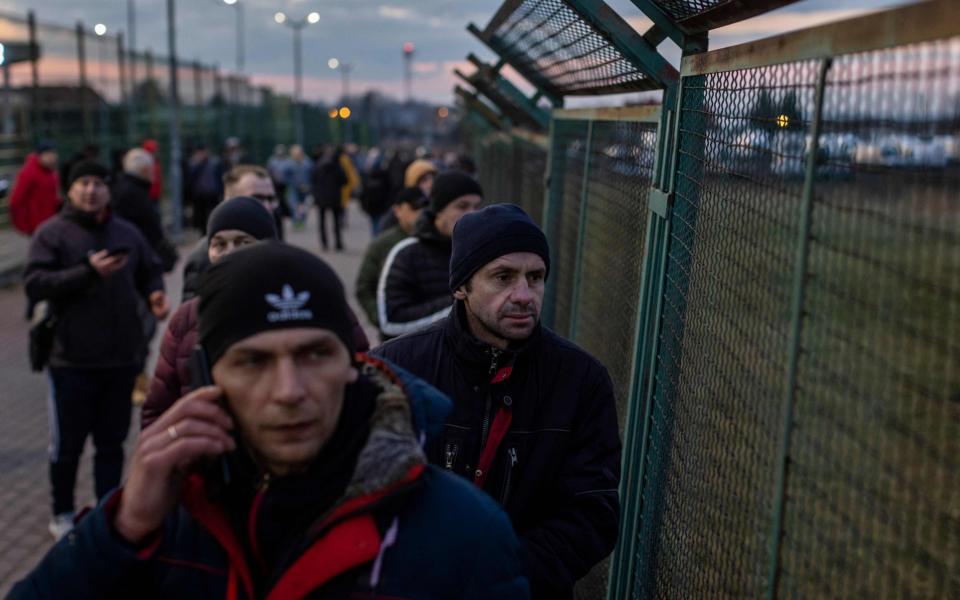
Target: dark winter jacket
<point>326,180</point>
<point>171,377</point>
<point>369,275</point>
<point>557,469</point>
<point>34,198</point>
<point>400,529</point>
<point>98,319</point>
<point>414,287</point>
<point>130,199</point>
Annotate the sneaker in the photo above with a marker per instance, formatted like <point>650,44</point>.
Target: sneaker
<point>61,525</point>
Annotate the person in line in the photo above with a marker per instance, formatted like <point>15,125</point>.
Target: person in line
<point>409,204</point>
<point>204,185</point>
<point>276,166</point>
<point>234,224</point>
<point>254,182</point>
<point>534,422</point>
<point>297,179</point>
<point>251,181</point>
<point>376,193</point>
<point>95,270</point>
<point>327,179</point>
<point>299,473</point>
<point>420,173</point>
<point>35,196</point>
<point>413,292</point>
<point>130,199</point>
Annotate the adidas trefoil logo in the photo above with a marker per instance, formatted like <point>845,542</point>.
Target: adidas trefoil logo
<point>289,306</point>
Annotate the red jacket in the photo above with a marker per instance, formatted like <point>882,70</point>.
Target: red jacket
<point>156,186</point>
<point>34,198</point>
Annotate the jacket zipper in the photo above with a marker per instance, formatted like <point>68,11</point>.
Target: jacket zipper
<point>252,522</point>
<point>512,454</point>
<point>450,455</point>
<point>485,429</point>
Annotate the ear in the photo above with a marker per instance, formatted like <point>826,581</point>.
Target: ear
<point>353,375</point>
<point>460,294</point>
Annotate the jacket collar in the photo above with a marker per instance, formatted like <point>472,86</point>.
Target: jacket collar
<point>84,219</point>
<point>476,354</point>
<point>426,230</point>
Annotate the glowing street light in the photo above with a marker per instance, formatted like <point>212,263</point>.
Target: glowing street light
<point>783,121</point>
<point>297,26</point>
<point>443,112</point>
<point>333,63</point>
<point>100,29</point>
<point>344,112</point>
<point>333,113</point>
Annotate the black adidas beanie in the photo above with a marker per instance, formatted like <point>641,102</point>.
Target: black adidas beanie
<point>87,168</point>
<point>450,185</point>
<point>264,287</point>
<point>243,214</point>
<point>488,234</point>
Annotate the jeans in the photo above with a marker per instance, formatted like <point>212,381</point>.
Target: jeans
<point>85,402</point>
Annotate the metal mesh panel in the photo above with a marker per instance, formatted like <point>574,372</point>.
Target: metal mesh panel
<point>621,169</point>
<point>567,164</point>
<point>532,161</point>
<point>709,477</point>
<point>703,15</point>
<point>549,39</point>
<point>872,495</point>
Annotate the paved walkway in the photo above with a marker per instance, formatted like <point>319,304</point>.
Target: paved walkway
<point>24,488</point>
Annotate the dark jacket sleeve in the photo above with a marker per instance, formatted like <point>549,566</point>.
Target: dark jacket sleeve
<point>197,263</point>
<point>166,385</point>
<point>581,529</point>
<point>401,308</point>
<point>149,274</point>
<point>369,276</point>
<point>91,562</point>
<point>496,571</point>
<point>46,279</point>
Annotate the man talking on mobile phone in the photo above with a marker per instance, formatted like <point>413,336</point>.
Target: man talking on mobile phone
<point>95,271</point>
<point>329,494</point>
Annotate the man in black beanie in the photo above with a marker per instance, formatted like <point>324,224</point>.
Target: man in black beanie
<point>413,291</point>
<point>97,273</point>
<point>299,473</point>
<point>534,420</point>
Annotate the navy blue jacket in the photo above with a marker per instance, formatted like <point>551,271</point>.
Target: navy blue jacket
<point>557,469</point>
<point>425,534</point>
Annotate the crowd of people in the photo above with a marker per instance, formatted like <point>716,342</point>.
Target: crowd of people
<point>471,453</point>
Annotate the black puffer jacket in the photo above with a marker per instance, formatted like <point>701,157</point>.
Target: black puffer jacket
<point>98,319</point>
<point>557,469</point>
<point>414,288</point>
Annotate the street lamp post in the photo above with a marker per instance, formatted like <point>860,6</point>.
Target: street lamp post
<point>175,151</point>
<point>297,26</point>
<point>101,30</point>
<point>238,6</point>
<point>344,68</point>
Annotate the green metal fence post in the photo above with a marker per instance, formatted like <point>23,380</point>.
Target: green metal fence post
<point>796,332</point>
<point>581,228</point>
<point>549,189</point>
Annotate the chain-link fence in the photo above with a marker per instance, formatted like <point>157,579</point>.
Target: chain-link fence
<point>777,298</point>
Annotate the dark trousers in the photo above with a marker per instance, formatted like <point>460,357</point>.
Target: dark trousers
<point>336,220</point>
<point>84,402</point>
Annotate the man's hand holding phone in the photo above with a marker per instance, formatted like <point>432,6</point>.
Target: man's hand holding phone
<point>106,263</point>
<point>194,428</point>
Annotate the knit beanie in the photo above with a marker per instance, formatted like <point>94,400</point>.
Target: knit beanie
<point>450,185</point>
<point>44,146</point>
<point>488,234</point>
<point>87,168</point>
<point>267,287</point>
<point>416,171</point>
<point>244,214</point>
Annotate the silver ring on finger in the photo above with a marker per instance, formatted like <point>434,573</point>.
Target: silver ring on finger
<point>172,432</point>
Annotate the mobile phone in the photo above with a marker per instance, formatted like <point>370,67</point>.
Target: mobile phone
<point>200,377</point>
<point>118,252</point>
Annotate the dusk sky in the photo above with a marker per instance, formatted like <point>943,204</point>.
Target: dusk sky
<point>367,33</point>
